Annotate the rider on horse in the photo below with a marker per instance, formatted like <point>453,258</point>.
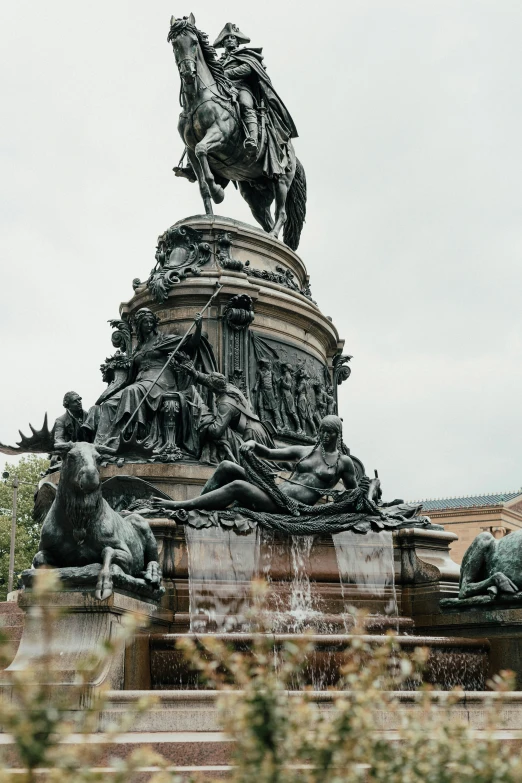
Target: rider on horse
<point>244,67</point>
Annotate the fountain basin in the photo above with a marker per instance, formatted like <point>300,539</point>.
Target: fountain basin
<point>452,661</point>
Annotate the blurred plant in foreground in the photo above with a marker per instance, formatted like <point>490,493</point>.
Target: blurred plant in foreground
<point>280,735</point>
<point>40,717</point>
<point>283,735</point>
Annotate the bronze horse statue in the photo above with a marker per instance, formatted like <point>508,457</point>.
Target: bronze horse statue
<point>211,129</point>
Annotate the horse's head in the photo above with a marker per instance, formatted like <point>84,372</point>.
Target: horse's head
<point>80,470</point>
<point>185,43</point>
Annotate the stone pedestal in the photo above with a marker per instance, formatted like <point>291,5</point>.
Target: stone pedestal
<point>426,573</point>
<point>83,625</point>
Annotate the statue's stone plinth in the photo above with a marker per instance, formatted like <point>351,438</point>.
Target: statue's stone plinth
<point>86,577</point>
<point>82,626</point>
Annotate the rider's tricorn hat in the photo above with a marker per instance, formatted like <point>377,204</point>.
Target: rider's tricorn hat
<point>230,29</point>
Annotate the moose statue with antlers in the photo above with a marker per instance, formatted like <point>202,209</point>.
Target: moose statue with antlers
<point>80,528</point>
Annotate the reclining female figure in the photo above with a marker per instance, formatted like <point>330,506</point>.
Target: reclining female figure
<point>317,470</point>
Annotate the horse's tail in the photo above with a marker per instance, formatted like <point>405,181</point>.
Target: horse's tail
<point>295,208</point>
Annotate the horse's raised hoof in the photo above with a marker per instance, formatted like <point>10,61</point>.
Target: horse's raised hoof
<point>218,194</point>
<point>103,587</point>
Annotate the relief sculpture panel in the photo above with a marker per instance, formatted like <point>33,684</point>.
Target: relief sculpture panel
<point>290,390</point>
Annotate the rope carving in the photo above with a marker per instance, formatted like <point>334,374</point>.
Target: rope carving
<point>260,475</point>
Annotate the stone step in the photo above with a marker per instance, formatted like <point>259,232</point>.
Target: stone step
<point>180,748</point>
<point>195,711</point>
<point>191,740</point>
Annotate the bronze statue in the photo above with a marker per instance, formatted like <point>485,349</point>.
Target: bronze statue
<point>245,68</point>
<point>234,421</point>
<point>321,400</point>
<point>264,391</point>
<point>492,568</point>
<point>286,384</point>
<point>152,401</point>
<point>331,405</point>
<point>80,527</point>
<point>214,99</point>
<point>304,407</point>
<point>69,428</point>
<point>317,470</point>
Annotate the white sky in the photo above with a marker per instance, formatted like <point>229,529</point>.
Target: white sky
<point>410,124</point>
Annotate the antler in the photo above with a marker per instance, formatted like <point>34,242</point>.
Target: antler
<point>39,442</point>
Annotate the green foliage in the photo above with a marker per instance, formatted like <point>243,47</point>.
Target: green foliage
<point>291,736</point>
<point>28,470</point>
<point>39,716</point>
<point>280,734</point>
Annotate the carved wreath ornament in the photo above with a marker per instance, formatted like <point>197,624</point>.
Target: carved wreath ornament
<point>180,252</point>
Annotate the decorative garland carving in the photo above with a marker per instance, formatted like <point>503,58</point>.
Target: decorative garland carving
<point>282,276</point>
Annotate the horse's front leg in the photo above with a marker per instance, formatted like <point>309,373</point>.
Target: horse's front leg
<point>202,182</point>
<point>211,141</point>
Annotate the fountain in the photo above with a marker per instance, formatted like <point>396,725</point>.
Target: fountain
<point>227,373</point>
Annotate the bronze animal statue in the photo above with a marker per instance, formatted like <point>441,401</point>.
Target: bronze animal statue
<point>81,528</point>
<point>213,133</point>
<point>492,568</point>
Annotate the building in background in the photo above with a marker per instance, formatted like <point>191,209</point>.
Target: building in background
<point>498,514</point>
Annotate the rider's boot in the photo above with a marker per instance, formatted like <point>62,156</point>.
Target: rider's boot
<point>250,120</point>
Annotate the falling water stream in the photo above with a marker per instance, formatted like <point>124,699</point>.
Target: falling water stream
<point>222,564</point>
<point>366,571</point>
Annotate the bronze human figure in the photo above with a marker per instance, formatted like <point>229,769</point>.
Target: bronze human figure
<point>234,421</point>
<point>288,411</point>
<point>211,127</point>
<point>304,407</point>
<point>150,400</point>
<point>264,391</point>
<point>69,428</point>
<point>317,470</point>
<point>245,68</point>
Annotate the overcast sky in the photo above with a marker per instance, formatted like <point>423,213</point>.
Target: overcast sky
<point>410,130</point>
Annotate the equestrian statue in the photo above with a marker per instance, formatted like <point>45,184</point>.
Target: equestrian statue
<point>235,127</point>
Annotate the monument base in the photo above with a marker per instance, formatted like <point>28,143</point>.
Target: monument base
<point>82,627</point>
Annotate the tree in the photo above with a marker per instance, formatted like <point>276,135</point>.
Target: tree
<point>28,470</point>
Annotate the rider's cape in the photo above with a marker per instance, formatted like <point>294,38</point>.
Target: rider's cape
<point>281,126</point>
<point>273,102</point>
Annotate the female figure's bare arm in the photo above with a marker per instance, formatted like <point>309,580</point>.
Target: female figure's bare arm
<point>348,475</point>
<point>277,455</point>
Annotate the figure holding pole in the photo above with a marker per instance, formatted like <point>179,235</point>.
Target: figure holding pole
<point>135,412</point>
